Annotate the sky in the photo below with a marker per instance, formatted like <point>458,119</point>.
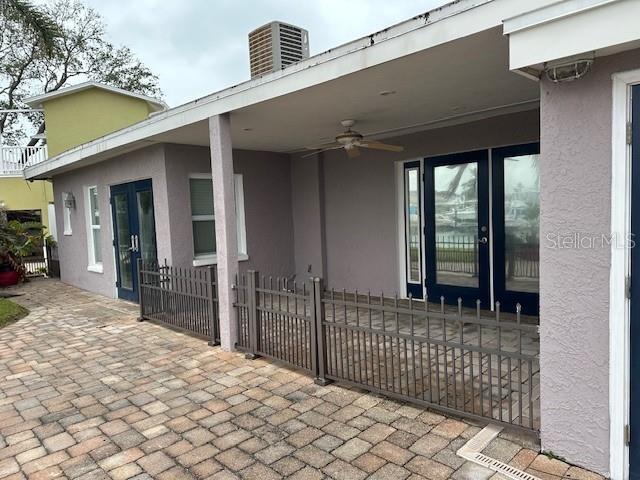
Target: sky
<point>197,47</point>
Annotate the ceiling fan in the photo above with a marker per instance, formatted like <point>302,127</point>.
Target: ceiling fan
<point>352,141</point>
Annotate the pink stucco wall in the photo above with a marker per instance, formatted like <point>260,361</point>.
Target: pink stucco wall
<point>267,185</point>
<point>575,197</point>
<point>358,199</point>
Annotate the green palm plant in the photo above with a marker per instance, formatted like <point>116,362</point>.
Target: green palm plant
<point>34,19</point>
<point>18,240</point>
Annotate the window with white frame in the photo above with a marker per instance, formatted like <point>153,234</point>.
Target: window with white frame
<point>203,218</point>
<point>93,229</point>
<point>66,213</point>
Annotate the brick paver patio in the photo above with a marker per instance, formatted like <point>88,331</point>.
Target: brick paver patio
<point>87,392</point>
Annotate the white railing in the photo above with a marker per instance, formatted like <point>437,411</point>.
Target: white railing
<point>13,160</point>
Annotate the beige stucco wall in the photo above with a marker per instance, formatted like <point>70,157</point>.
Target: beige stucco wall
<point>575,182</point>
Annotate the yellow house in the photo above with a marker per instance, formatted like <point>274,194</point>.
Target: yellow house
<point>26,200</point>
<point>84,112</point>
<point>73,116</point>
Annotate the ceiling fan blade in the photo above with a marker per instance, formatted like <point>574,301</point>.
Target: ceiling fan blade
<point>323,146</point>
<point>336,147</point>
<point>381,146</point>
<point>353,152</point>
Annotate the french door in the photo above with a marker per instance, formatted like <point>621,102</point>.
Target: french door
<point>516,227</point>
<point>482,227</point>
<point>457,227</point>
<point>134,233</point>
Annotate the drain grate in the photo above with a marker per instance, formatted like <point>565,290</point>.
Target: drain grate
<point>472,451</point>
<point>502,468</point>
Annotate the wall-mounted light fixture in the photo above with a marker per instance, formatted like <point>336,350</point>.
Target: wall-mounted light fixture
<point>70,201</point>
<point>568,70</point>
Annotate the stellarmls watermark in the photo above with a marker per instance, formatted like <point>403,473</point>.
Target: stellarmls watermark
<point>588,241</point>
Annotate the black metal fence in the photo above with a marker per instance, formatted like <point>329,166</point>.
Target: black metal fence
<point>475,363</point>
<point>274,319</point>
<point>182,298</point>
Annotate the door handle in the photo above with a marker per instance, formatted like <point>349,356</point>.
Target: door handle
<point>483,240</point>
<point>137,243</point>
<point>132,248</point>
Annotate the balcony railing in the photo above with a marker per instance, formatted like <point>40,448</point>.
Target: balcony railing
<point>13,160</point>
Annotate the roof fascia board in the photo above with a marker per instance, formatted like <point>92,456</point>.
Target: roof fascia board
<point>583,31</point>
<point>550,13</point>
<point>36,100</point>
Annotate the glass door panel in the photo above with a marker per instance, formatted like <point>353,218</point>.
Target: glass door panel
<point>146,224</point>
<point>413,233</point>
<point>521,223</point>
<point>124,240</point>
<point>457,219</point>
<point>456,224</point>
<point>516,219</point>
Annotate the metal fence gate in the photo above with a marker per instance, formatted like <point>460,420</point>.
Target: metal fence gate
<point>182,298</point>
<point>469,362</point>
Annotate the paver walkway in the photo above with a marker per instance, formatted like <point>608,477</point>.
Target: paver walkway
<point>87,392</point>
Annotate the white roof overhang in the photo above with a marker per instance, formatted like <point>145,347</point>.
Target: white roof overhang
<point>572,27</point>
<point>449,65</point>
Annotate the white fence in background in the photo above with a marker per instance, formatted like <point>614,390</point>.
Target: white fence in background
<point>13,160</point>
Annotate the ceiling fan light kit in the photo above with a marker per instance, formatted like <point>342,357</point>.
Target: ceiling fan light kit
<point>351,141</point>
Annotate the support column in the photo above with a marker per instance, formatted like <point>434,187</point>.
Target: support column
<point>226,228</point>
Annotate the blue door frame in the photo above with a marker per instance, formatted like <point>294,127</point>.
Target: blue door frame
<point>634,334</point>
<point>529,301</point>
<point>451,293</point>
<point>508,299</point>
<point>127,233</point>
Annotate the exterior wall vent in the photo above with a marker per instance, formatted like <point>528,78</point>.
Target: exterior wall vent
<point>275,46</point>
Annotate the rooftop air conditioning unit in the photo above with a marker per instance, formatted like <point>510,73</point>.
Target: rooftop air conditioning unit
<point>275,46</point>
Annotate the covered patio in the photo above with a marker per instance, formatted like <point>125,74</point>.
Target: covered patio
<point>343,219</point>
<point>275,206</point>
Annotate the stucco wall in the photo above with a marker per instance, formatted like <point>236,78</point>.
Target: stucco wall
<point>138,165</point>
<point>267,194</point>
<point>267,197</point>
<point>360,199</point>
<point>308,216</point>
<point>575,184</point>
